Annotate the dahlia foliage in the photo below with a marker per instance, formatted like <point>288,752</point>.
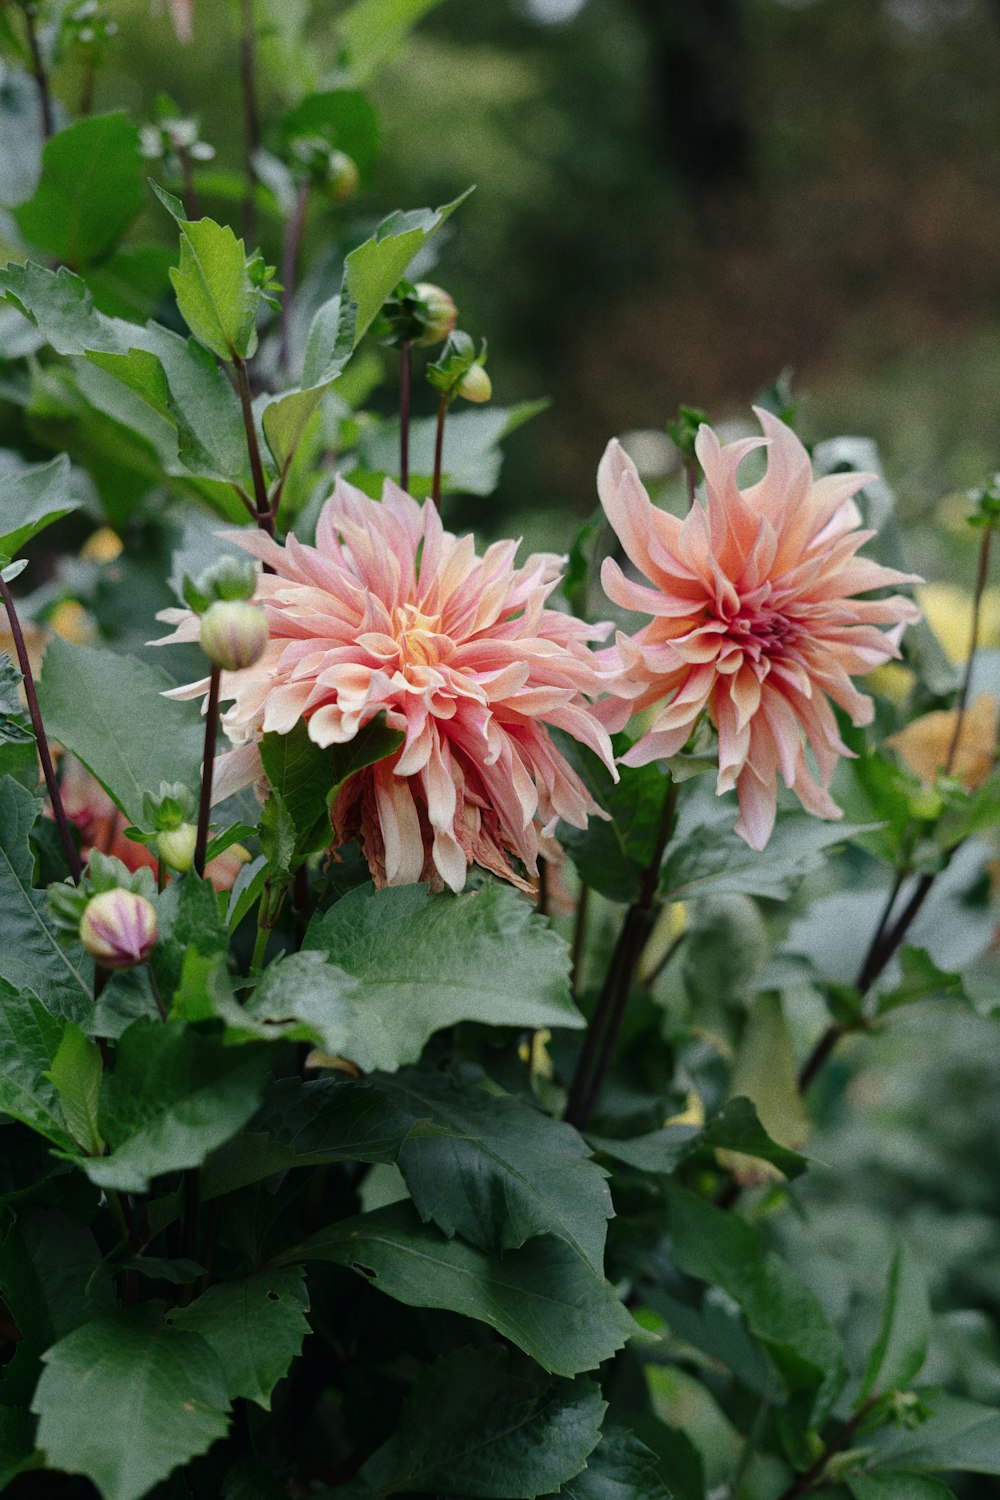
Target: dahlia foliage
<point>405,1063</point>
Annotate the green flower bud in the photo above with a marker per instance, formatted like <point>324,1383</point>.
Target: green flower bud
<point>118,929</point>
<point>440,315</point>
<point>342,176</point>
<point>475,385</point>
<point>233,634</point>
<point>175,847</point>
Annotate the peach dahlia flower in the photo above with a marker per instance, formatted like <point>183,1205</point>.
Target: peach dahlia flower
<point>754,619</point>
<point>390,614</point>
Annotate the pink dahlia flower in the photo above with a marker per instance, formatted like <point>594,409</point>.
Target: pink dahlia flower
<point>390,614</point>
<point>754,619</point>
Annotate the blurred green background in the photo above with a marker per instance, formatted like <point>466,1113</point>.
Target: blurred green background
<point>675,201</point>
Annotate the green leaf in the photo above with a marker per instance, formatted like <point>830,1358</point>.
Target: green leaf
<point>76,1074</point>
<point>189,918</point>
<point>497,1171</point>
<point>486,1423</point>
<point>174,1095</point>
<point>719,1248</point>
<point>370,273</point>
<point>31,499</point>
<point>285,420</point>
<point>21,129</point>
<point>958,1435</point>
<point>14,727</point>
<point>343,118</point>
<point>896,1484</point>
<point>256,1328</point>
<point>544,1297</point>
<point>621,1467</point>
<point>51,1283</point>
<point>612,855</point>
<point>176,377</point>
<point>765,1073</point>
<point>488,1167</point>
<point>31,955</point>
<point>90,190</point>
<point>921,979</point>
<point>471,458</point>
<point>30,1040</point>
<point>17,1437</point>
<point>481,956</point>
<point>899,1352</point>
<point>127,1398</point>
<point>705,856</point>
<point>373,31</point>
<point>110,711</point>
<point>216,295</point>
<point>736,1127</point>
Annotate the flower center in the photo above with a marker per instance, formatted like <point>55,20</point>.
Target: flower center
<point>419,637</point>
<point>760,631</point>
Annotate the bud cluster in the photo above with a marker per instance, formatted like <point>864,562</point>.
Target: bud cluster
<point>233,630</point>
<point>421,314</point>
<point>460,371</point>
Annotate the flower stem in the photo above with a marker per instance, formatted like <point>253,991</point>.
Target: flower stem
<point>691,475</point>
<point>289,268</point>
<point>602,1034</point>
<point>439,451</point>
<point>38,69</point>
<point>542,899</point>
<point>44,754</point>
<point>251,116</point>
<point>977,604</point>
<point>405,373</point>
<point>207,770</point>
<point>265,519</point>
<point>579,938</point>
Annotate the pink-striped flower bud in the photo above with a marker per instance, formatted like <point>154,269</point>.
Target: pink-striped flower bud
<point>118,929</point>
<point>233,634</point>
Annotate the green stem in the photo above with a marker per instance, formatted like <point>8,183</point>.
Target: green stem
<point>265,518</point>
<point>405,373</point>
<point>207,771</point>
<point>439,451</point>
<point>812,1477</point>
<point>44,754</point>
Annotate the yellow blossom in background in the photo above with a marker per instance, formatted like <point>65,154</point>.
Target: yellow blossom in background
<point>948,611</point>
<point>103,546</point>
<point>893,681</point>
<point>74,623</point>
<point>923,746</point>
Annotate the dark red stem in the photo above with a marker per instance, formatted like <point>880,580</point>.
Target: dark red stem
<point>207,771</point>
<point>405,371</point>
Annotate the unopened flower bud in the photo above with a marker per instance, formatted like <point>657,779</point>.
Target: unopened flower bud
<point>342,177</point>
<point>118,929</point>
<point>233,634</point>
<point>439,312</point>
<point>475,385</point>
<point>176,847</point>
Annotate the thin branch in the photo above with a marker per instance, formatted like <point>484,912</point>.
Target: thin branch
<point>405,378</point>
<point>579,938</point>
<point>44,754</point>
<point>810,1478</point>
<point>439,451</point>
<point>207,770</point>
<point>265,519</point>
<point>38,69</point>
<point>977,604</point>
<point>289,268</point>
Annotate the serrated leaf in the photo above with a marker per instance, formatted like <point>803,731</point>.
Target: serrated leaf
<point>481,956</point>
<point>51,1283</point>
<point>29,1042</point>
<point>90,190</point>
<point>164,1387</point>
<point>370,273</point>
<point>719,1248</point>
<point>544,1297</point>
<point>32,498</point>
<point>621,1467</point>
<point>31,954</point>
<point>255,1327</point>
<point>485,1423</point>
<point>176,377</point>
<point>175,1095</point>
<point>705,856</point>
<point>736,1127</point>
<point>76,1074</point>
<point>899,1352</point>
<point>110,711</point>
<point>216,296</point>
